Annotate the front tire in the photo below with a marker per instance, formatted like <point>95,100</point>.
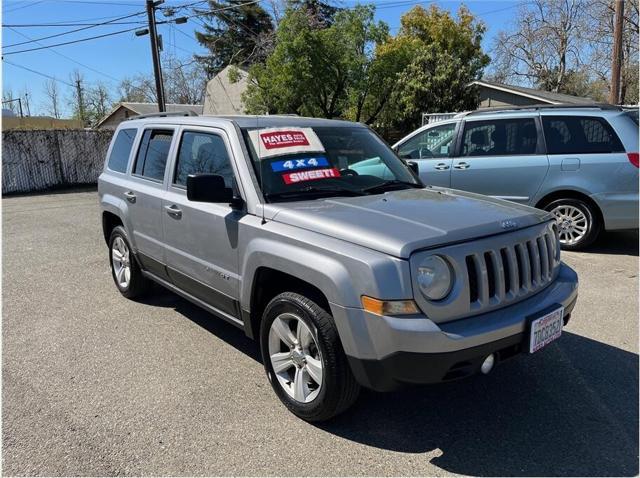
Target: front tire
<point>578,223</point>
<point>304,359</point>
<point>125,270</point>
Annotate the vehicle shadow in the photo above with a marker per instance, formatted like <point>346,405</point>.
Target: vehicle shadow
<point>616,242</point>
<point>570,410</point>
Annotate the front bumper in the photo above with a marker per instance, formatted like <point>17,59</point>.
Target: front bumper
<point>386,351</point>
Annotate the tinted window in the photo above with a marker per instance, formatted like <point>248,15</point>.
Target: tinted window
<point>431,143</point>
<point>515,136</point>
<point>634,116</point>
<point>575,135</point>
<point>202,153</point>
<point>121,150</point>
<point>153,152</point>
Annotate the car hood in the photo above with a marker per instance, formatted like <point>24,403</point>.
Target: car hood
<point>400,222</point>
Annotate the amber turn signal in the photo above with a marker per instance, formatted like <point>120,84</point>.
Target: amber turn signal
<point>389,307</point>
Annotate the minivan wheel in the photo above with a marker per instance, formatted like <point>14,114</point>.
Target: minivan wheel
<point>124,269</point>
<point>304,359</point>
<point>578,223</point>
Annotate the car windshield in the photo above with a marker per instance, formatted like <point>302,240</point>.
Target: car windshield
<point>295,163</point>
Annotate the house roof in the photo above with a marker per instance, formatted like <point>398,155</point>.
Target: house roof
<point>538,95</point>
<point>148,108</point>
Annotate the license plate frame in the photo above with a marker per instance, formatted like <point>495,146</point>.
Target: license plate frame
<point>536,324</point>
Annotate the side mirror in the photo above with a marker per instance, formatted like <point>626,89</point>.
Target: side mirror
<point>210,188</point>
<point>414,167</point>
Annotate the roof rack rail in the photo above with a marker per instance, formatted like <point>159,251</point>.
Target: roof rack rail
<point>164,114</point>
<point>496,109</point>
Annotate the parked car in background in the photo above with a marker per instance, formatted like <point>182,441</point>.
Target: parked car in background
<point>579,162</point>
<point>316,240</point>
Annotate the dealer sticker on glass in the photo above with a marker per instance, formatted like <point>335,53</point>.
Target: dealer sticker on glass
<point>546,329</point>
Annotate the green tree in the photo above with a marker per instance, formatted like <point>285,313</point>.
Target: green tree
<point>445,55</point>
<point>354,70</point>
<point>314,71</point>
<point>235,32</point>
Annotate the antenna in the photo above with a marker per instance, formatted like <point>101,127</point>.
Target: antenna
<point>261,167</point>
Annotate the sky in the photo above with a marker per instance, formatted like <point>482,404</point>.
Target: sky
<point>113,58</point>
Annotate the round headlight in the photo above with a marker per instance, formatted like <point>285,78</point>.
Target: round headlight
<point>434,278</point>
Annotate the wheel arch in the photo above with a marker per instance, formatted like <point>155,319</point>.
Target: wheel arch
<point>268,283</point>
<point>109,222</point>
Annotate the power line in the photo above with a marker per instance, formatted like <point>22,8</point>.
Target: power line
<point>24,6</point>
<point>38,25</point>
<point>72,42</point>
<point>69,58</point>
<point>71,31</point>
<point>211,12</point>
<point>38,73</point>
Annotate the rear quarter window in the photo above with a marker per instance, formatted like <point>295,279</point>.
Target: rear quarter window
<point>580,135</point>
<point>119,157</point>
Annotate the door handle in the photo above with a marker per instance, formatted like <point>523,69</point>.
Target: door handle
<point>462,165</point>
<point>131,197</point>
<point>173,211</point>
<point>441,166</point>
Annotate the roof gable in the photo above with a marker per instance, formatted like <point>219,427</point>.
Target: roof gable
<point>538,95</point>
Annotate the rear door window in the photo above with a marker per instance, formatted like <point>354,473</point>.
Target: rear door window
<point>153,153</point>
<point>119,157</point>
<point>508,137</point>
<point>580,135</point>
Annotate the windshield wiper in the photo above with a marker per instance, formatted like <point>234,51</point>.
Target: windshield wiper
<point>312,191</point>
<point>391,185</point>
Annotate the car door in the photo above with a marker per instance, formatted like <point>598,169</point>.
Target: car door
<point>430,148</point>
<point>144,196</point>
<point>502,158</point>
<point>201,239</point>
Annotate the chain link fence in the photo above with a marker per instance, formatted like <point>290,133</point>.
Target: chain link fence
<point>37,160</point>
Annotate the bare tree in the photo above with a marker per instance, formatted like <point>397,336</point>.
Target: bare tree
<point>98,102</point>
<point>53,96</point>
<point>7,96</point>
<point>565,46</point>
<point>545,44</point>
<point>600,38</point>
<point>184,82</point>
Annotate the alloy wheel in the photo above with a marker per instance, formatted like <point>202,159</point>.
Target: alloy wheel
<point>295,357</point>
<point>120,259</point>
<point>573,224</point>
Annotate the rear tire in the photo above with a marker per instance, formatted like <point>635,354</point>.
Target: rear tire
<point>578,222</point>
<point>300,339</point>
<point>125,270</point>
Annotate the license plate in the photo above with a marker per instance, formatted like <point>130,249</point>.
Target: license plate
<point>545,330</point>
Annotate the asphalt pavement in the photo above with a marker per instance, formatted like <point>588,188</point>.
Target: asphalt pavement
<point>95,384</point>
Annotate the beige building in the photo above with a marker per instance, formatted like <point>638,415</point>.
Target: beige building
<point>223,95</point>
<point>127,110</point>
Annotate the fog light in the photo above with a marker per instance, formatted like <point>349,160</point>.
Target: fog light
<point>488,363</point>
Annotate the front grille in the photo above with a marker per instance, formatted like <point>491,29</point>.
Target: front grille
<point>503,274</point>
<point>493,272</point>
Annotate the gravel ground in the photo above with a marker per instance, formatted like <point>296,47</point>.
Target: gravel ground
<point>94,384</point>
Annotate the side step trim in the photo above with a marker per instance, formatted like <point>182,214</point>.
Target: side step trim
<point>217,312</point>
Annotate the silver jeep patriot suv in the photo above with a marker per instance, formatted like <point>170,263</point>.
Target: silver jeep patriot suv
<point>319,242</point>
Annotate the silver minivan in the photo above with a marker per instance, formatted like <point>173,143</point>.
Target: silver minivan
<point>580,162</point>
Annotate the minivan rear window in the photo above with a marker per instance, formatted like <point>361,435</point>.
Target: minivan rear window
<point>119,158</point>
<point>580,135</point>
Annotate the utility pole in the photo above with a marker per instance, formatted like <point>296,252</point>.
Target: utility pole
<point>616,61</point>
<point>80,100</point>
<point>12,100</point>
<point>155,53</point>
